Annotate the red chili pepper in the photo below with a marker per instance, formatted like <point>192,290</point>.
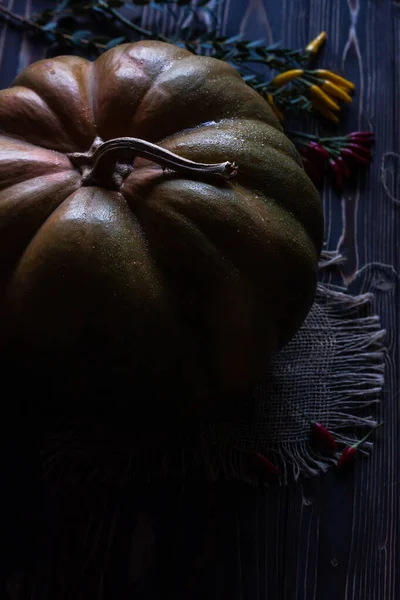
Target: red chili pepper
<point>360,149</point>
<point>313,155</point>
<point>266,464</point>
<point>348,454</point>
<point>346,457</point>
<point>366,136</point>
<point>314,146</point>
<point>335,168</point>
<point>321,435</point>
<point>356,157</point>
<point>343,166</point>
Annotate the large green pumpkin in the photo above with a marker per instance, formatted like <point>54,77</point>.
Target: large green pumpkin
<point>181,285</point>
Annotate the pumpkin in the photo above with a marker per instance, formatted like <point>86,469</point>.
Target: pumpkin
<point>156,228</point>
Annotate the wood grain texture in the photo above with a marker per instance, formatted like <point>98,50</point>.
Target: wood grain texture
<point>333,538</point>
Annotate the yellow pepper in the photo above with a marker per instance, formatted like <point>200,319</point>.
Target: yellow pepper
<point>285,77</point>
<point>316,44</point>
<point>324,111</point>
<point>271,102</point>
<point>336,79</point>
<point>316,92</point>
<point>336,91</point>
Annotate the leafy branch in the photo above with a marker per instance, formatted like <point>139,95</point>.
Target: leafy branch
<point>304,92</point>
<point>62,26</point>
<point>84,26</point>
<point>52,34</point>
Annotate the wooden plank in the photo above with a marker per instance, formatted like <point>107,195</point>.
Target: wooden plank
<point>334,537</point>
<point>339,537</point>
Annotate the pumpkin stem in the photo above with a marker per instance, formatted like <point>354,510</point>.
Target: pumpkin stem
<point>109,163</point>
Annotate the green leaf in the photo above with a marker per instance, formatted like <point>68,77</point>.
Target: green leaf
<point>273,46</point>
<point>250,77</point>
<point>115,42</point>
<point>257,43</point>
<point>82,34</point>
<point>62,5</point>
<point>234,39</point>
<point>49,26</point>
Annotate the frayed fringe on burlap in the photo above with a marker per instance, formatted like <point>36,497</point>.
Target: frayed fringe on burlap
<point>354,386</point>
<point>355,382</point>
<point>329,258</point>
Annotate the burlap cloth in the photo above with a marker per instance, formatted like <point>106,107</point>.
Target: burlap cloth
<point>333,371</point>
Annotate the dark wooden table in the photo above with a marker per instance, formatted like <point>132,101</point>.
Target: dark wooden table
<point>331,539</point>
